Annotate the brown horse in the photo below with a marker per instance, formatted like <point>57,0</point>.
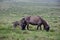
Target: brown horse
<point>34,20</point>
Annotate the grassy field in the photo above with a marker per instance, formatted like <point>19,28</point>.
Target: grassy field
<point>15,13</point>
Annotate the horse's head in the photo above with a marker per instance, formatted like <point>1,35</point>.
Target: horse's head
<point>23,23</point>
<point>47,28</point>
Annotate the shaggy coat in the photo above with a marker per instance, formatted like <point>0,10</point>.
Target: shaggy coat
<point>34,20</point>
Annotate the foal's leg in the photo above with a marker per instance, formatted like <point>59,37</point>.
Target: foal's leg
<point>15,26</point>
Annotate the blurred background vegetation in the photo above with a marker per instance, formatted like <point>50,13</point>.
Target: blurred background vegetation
<point>14,10</point>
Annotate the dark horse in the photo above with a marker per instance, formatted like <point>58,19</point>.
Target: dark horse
<point>34,20</point>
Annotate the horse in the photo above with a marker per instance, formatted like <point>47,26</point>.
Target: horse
<point>34,20</point>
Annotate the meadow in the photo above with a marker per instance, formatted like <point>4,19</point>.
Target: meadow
<point>15,13</point>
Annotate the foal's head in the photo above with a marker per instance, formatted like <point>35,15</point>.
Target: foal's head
<point>15,24</point>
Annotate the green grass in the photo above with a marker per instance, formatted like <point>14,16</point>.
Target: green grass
<point>51,15</point>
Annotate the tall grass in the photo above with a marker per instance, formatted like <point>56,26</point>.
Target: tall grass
<point>51,15</point>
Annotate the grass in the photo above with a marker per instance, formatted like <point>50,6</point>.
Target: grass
<point>51,15</point>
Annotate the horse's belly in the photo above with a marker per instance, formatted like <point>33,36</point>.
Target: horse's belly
<point>33,23</point>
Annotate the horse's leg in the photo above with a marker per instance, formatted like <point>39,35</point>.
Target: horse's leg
<point>28,26</point>
<point>40,27</point>
<point>44,27</point>
<point>37,27</point>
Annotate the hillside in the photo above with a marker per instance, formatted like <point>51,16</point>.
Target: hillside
<point>11,11</point>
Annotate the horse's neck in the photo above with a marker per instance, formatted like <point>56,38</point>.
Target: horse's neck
<point>44,23</point>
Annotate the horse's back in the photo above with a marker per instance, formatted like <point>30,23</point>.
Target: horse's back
<point>33,19</point>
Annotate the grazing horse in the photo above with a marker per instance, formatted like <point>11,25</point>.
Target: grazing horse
<point>34,20</point>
